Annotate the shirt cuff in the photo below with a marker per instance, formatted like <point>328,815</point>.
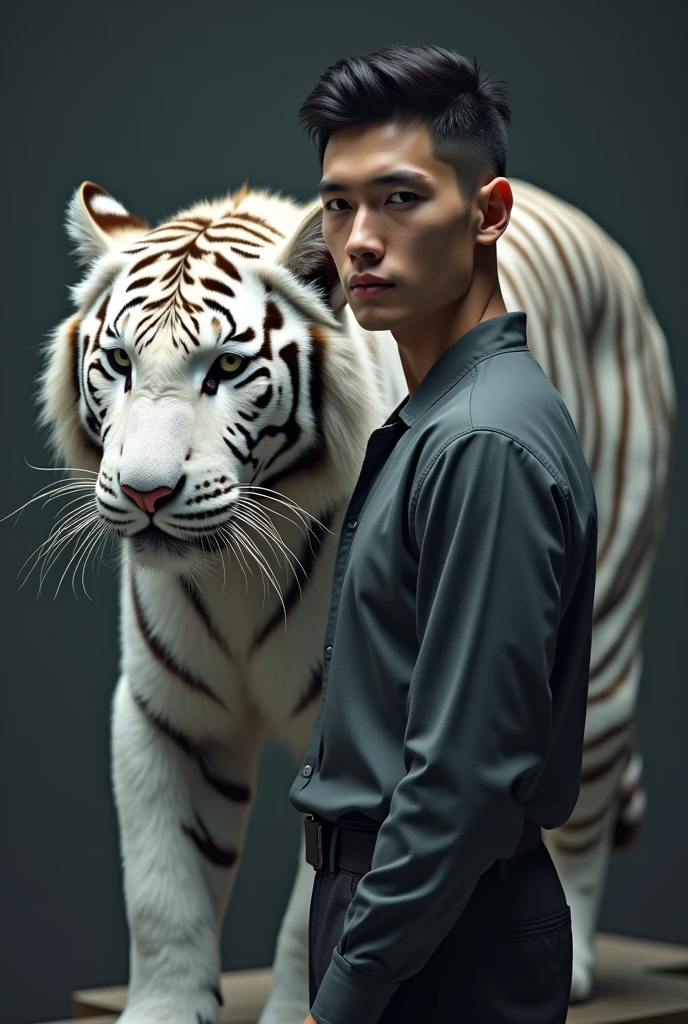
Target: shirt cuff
<point>347,994</point>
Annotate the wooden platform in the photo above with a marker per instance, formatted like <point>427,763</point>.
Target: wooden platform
<point>637,982</point>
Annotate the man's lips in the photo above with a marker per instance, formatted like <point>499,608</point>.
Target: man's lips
<point>365,290</point>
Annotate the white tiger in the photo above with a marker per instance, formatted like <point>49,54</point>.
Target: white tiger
<point>220,399</point>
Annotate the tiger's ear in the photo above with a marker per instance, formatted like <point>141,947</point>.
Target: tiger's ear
<point>307,257</point>
<point>98,223</point>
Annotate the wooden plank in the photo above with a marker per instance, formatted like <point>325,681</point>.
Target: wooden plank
<point>244,993</point>
<point>106,1019</point>
<point>637,982</point>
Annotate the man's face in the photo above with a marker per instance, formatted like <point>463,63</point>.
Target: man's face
<point>418,235</point>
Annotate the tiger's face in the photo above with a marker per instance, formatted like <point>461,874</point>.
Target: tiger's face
<point>199,360</point>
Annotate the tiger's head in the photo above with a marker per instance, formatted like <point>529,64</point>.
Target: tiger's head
<point>211,362</point>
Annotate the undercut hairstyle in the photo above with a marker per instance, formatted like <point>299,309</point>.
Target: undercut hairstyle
<point>466,112</point>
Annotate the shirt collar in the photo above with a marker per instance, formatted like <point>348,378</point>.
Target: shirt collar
<point>497,334</point>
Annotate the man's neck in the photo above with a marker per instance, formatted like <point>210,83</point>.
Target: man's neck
<point>422,344</point>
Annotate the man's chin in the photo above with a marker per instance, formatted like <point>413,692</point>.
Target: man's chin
<point>372,317</point>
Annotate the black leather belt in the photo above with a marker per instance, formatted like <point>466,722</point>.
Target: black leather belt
<point>333,847</point>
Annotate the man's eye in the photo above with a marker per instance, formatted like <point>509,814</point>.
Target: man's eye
<point>119,360</point>
<point>329,207</point>
<point>411,194</point>
<point>410,197</point>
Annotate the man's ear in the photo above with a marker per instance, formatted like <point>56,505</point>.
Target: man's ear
<point>98,223</point>
<point>307,257</point>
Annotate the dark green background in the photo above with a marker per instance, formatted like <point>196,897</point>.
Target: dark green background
<point>165,103</point>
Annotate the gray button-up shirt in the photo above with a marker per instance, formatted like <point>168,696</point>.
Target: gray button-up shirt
<point>456,654</point>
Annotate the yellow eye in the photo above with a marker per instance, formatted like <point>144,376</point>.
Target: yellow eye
<point>119,361</point>
<point>121,358</point>
<point>230,362</point>
<point>224,367</point>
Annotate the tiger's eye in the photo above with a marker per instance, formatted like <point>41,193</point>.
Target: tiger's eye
<point>121,358</point>
<point>230,362</point>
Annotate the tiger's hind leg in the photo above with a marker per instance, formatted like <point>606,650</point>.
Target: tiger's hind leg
<point>631,810</point>
<point>583,876</point>
<point>581,848</point>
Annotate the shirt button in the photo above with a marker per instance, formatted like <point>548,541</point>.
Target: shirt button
<point>307,770</point>
<point>328,652</point>
<point>352,524</point>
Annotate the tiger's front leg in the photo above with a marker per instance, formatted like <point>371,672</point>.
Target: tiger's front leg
<point>183,807</point>
<point>288,1002</point>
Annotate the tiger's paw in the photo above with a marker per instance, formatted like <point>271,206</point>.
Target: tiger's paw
<point>283,1014</point>
<point>581,983</point>
<point>201,1010</point>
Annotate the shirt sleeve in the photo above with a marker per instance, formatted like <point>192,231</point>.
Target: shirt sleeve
<point>491,526</point>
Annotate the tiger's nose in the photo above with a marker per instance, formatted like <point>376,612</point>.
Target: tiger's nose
<point>147,500</point>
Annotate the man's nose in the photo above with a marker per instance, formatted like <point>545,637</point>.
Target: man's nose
<point>364,240</point>
<point>147,500</point>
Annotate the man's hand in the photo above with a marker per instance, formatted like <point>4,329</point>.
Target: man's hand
<point>310,1019</point>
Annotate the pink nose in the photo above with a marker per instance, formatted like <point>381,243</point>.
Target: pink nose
<point>146,499</point>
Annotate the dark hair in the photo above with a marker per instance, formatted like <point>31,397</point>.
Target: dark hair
<point>466,113</point>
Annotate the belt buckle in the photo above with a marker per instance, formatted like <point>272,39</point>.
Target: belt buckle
<point>313,830</point>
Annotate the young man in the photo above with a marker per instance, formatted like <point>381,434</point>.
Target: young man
<point>458,643</point>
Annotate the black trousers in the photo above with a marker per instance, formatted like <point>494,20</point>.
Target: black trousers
<point>507,960</point>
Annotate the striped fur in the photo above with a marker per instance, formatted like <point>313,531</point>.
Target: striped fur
<point>591,328</point>
<point>222,621</point>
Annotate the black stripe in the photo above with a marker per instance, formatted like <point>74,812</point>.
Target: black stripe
<point>313,691</point>
<point>76,358</point>
<point>313,456</point>
<point>583,847</point>
<point>97,365</point>
<point>291,428</point>
<point>307,559</point>
<point>589,775</point>
<point>212,304</point>
<point>159,722</point>
<point>101,314</point>
<point>117,523</point>
<point>228,226</point>
<point>191,592</point>
<point>164,657</point>
<point>213,285</point>
<point>234,791</point>
<point>246,255</point>
<point>112,508</point>
<point>132,302</point>
<point>190,333</point>
<point>256,220</point>
<point>208,847</point>
<point>226,266</point>
<point>203,515</point>
<point>140,282</point>
<point>232,238</point>
<point>244,460</point>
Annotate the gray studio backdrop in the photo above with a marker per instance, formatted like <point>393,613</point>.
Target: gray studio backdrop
<point>163,103</point>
